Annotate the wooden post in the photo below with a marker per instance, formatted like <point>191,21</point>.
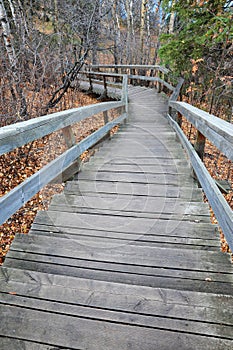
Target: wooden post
<point>105,94</point>
<point>159,84</point>
<point>105,113</point>
<point>200,144</point>
<point>124,95</point>
<point>179,119</point>
<point>75,166</point>
<point>91,85</point>
<point>106,120</point>
<point>69,136</point>
<point>133,81</point>
<point>162,77</point>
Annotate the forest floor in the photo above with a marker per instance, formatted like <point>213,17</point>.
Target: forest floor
<point>18,165</point>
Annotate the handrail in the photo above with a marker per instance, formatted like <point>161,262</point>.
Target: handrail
<point>220,134</point>
<point>19,134</point>
<point>130,66</point>
<point>156,79</point>
<point>217,130</point>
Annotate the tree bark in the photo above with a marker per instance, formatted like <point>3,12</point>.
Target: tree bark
<point>7,36</point>
<point>142,27</point>
<point>171,26</point>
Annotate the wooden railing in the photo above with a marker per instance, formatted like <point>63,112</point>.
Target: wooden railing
<point>19,134</point>
<point>220,134</point>
<point>136,74</point>
<point>218,131</point>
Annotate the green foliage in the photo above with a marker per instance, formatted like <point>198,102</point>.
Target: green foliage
<point>199,48</point>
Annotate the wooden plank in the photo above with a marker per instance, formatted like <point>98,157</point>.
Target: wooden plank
<point>19,344</point>
<point>19,134</point>
<point>218,203</point>
<point>176,92</point>
<point>16,198</point>
<point>78,332</point>
<point>163,215</point>
<point>196,260</point>
<point>163,179</point>
<point>122,317</point>
<point>62,287</point>
<point>112,238</point>
<point>135,275</point>
<point>130,204</point>
<point>125,190</point>
<point>208,236</point>
<point>134,168</point>
<point>137,225</point>
<point>150,160</point>
<point>137,66</point>
<point>217,130</point>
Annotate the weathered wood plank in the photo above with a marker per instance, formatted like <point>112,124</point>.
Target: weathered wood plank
<point>217,130</point>
<point>107,335</point>
<point>135,275</point>
<point>122,317</point>
<point>17,344</point>
<point>176,92</point>
<point>147,256</point>
<point>104,238</point>
<point>163,179</point>
<point>125,190</point>
<point>171,227</point>
<point>65,202</point>
<point>33,283</point>
<point>135,66</point>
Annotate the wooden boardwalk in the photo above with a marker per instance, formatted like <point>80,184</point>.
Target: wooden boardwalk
<point>126,258</point>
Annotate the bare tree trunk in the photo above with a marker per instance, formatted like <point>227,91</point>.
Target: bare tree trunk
<point>142,27</point>
<point>130,31</point>
<point>148,39</point>
<point>117,33</point>
<point>157,10</point>
<point>7,36</point>
<point>8,41</point>
<point>171,26</point>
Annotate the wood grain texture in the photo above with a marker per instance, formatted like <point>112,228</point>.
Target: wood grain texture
<point>218,131</point>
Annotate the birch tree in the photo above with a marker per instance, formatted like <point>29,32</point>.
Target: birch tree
<point>130,31</point>
<point>7,36</point>
<point>15,89</point>
<point>144,10</point>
